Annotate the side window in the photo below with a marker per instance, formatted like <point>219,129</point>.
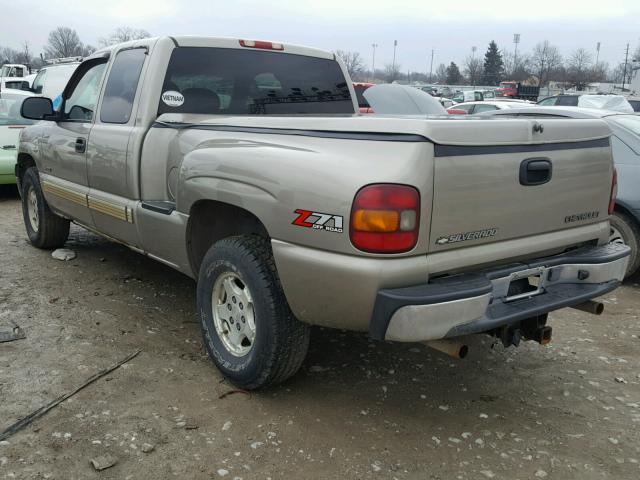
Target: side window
<point>38,82</point>
<point>622,153</point>
<point>568,101</point>
<point>478,97</point>
<point>483,107</point>
<point>80,105</point>
<point>548,101</point>
<point>122,85</point>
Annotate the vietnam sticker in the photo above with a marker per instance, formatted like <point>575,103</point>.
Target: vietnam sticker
<point>172,98</point>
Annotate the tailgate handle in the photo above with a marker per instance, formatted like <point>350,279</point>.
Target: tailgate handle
<point>535,171</point>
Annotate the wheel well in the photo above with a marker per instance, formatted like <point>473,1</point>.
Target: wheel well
<point>25,161</point>
<point>628,213</point>
<point>210,221</point>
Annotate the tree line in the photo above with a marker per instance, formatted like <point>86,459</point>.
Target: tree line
<point>65,42</point>
<point>543,64</point>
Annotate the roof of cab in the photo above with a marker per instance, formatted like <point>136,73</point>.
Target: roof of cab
<point>219,42</point>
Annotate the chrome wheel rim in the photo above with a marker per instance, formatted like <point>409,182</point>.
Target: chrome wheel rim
<point>233,315</point>
<point>615,235</point>
<point>32,209</point>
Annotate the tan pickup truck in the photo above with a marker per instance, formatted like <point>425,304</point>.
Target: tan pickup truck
<point>244,165</point>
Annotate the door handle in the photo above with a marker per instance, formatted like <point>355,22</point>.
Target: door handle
<point>535,171</point>
<point>81,145</point>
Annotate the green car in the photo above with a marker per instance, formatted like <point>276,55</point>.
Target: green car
<point>11,123</point>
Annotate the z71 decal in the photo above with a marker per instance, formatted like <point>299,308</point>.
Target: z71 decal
<point>318,221</point>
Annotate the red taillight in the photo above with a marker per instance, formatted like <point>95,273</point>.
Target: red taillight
<point>385,218</point>
<point>456,111</point>
<point>261,44</point>
<point>614,192</point>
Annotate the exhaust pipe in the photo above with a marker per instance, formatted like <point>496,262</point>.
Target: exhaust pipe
<point>452,348</point>
<point>590,306</point>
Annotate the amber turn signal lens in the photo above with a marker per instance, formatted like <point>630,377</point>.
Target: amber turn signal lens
<point>376,220</point>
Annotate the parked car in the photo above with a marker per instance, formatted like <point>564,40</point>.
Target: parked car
<point>518,90</point>
<point>15,77</point>
<point>468,96</point>
<point>359,88</point>
<point>242,164</point>
<point>393,99</point>
<point>471,108</point>
<point>53,77</point>
<point>635,103</point>
<point>616,103</point>
<point>625,143</point>
<point>10,125</point>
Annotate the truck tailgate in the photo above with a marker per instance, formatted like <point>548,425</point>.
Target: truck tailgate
<point>560,178</point>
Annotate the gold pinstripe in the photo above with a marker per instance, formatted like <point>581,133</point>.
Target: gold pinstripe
<point>114,210</point>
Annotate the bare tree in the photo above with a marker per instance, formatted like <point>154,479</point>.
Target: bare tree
<point>545,58</point>
<point>8,55</point>
<point>63,42</point>
<point>440,74</point>
<point>600,72</point>
<point>392,72</point>
<point>124,34</point>
<point>353,61</point>
<point>579,68</point>
<point>518,67</point>
<point>473,69</point>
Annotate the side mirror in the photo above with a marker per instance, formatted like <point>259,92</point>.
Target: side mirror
<point>36,108</point>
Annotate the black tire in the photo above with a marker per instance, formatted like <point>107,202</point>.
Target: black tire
<point>628,229</point>
<point>52,230</point>
<point>281,341</point>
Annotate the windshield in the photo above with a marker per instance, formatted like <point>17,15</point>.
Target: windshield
<point>507,85</point>
<point>630,122</point>
<point>250,82</point>
<point>10,110</point>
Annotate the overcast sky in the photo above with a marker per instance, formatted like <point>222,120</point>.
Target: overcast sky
<point>451,28</point>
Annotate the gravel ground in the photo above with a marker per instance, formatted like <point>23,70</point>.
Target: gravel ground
<point>357,409</point>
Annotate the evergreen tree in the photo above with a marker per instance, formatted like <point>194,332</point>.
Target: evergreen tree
<point>454,77</point>
<point>493,65</point>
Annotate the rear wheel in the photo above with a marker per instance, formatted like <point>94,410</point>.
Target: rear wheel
<point>44,228</point>
<point>623,229</point>
<point>248,328</point>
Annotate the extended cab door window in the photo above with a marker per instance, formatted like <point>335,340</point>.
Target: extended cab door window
<point>122,85</point>
<point>81,103</point>
<point>38,82</point>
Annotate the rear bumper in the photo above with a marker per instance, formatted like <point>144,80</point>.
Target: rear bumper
<point>473,303</point>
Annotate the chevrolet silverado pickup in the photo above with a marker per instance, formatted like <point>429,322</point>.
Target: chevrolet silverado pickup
<point>245,165</point>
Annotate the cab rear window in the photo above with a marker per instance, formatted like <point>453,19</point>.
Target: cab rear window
<point>222,81</point>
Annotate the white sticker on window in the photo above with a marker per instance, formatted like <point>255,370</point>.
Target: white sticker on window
<point>172,98</point>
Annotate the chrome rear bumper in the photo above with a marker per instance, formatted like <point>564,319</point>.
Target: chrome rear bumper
<point>479,302</point>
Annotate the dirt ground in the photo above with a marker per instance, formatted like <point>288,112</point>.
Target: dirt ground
<point>358,409</point>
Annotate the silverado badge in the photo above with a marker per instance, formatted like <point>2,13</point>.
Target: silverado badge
<point>463,237</point>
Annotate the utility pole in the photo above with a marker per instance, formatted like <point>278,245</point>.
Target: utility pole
<point>626,60</point>
<point>597,53</point>
<point>393,65</point>
<point>373,62</point>
<point>516,41</point>
<point>431,68</point>
<point>474,73</point>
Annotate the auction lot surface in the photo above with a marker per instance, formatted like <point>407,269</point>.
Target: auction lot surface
<point>358,409</point>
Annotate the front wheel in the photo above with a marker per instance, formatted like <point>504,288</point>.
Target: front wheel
<point>248,328</point>
<point>623,229</point>
<point>44,228</point>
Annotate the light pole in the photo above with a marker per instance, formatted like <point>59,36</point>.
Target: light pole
<point>431,68</point>
<point>597,53</point>
<point>473,63</point>
<point>393,65</point>
<point>516,41</point>
<point>373,62</point>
